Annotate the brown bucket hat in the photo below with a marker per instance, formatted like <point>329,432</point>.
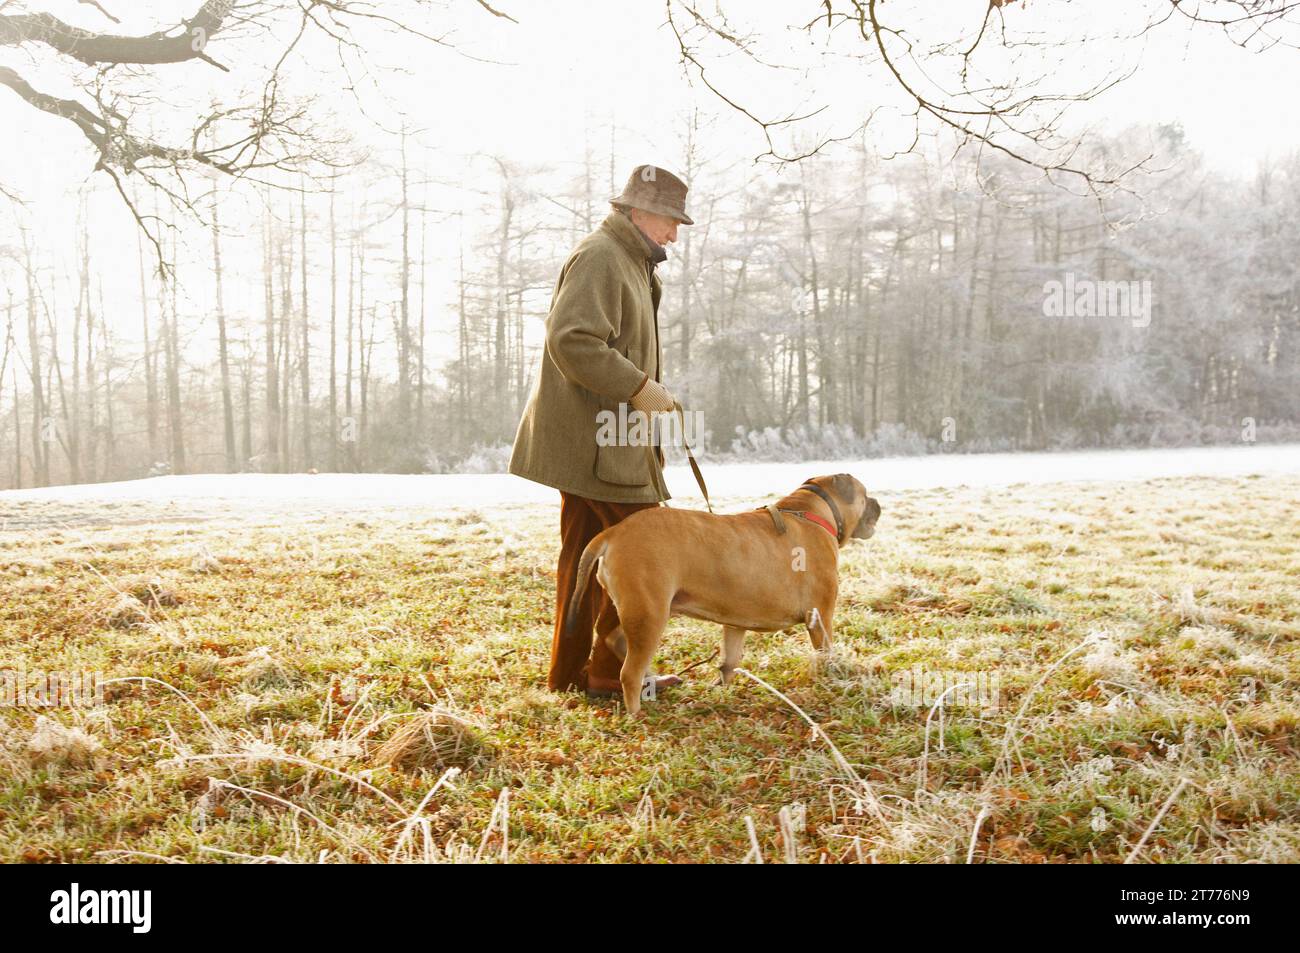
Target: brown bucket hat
<point>657,190</point>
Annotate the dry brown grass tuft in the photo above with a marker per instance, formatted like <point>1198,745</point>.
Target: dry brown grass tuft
<point>1183,610</point>
<point>56,745</point>
<point>911,599</point>
<point>155,594</point>
<point>437,739</point>
<point>122,611</point>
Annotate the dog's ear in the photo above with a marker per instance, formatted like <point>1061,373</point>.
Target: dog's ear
<point>845,487</point>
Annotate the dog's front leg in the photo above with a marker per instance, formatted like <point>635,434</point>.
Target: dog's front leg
<point>733,646</point>
<point>821,632</point>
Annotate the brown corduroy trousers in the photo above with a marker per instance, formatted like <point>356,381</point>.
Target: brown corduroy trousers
<point>581,520</point>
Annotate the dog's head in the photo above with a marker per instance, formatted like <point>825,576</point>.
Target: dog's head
<point>859,511</point>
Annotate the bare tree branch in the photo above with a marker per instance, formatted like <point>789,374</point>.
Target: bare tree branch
<point>269,136</point>
<point>996,106</point>
<point>94,48</point>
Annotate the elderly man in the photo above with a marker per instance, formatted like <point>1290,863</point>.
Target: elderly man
<point>602,350</point>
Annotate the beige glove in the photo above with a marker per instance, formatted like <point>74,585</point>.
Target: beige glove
<point>652,398</point>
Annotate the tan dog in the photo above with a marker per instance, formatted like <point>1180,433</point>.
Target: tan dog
<point>757,571</point>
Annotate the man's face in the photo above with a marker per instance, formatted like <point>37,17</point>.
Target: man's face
<point>660,228</point>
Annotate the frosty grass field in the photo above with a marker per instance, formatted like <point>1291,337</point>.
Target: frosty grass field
<point>361,677</point>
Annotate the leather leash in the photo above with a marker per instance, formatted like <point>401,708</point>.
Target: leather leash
<point>771,507</point>
<point>690,457</point>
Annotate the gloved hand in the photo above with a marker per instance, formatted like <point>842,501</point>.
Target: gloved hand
<point>652,398</point>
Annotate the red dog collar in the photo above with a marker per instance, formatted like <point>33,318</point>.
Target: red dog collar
<point>814,518</point>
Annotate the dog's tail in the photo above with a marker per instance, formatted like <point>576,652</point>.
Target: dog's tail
<point>594,551</point>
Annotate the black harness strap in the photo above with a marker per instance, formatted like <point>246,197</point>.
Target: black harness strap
<point>835,510</point>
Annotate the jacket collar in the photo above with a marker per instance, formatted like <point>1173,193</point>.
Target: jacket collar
<point>638,245</point>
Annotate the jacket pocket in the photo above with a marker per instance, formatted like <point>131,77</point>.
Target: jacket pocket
<point>623,465</point>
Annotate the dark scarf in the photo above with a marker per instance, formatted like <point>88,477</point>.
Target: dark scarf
<point>657,252</point>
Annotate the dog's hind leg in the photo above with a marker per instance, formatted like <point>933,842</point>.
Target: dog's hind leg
<point>733,646</point>
<point>643,634</point>
<point>617,642</point>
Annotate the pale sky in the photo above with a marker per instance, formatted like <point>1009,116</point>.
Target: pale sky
<point>570,65</point>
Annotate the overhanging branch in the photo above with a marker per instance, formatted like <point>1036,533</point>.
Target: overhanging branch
<point>90,47</point>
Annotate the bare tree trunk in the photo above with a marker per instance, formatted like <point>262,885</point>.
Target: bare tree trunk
<point>801,352</point>
<point>462,343</point>
<point>150,368</point>
<point>73,412</point>
<point>54,368</point>
<point>175,414</point>
<point>968,330</point>
<point>272,451</point>
<point>106,358</point>
<point>419,390</point>
<point>334,397</point>
<point>4,364</point>
<point>500,360</point>
<point>363,368</point>
<point>520,384</point>
<point>285,373</point>
<point>223,345</point>
<point>18,436</point>
<point>91,432</point>
<point>305,356</point>
<point>364,351</point>
<point>246,389</point>
<point>825,381</point>
<point>40,426</point>
<point>877,369</point>
<point>403,332</point>
<point>347,374</point>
